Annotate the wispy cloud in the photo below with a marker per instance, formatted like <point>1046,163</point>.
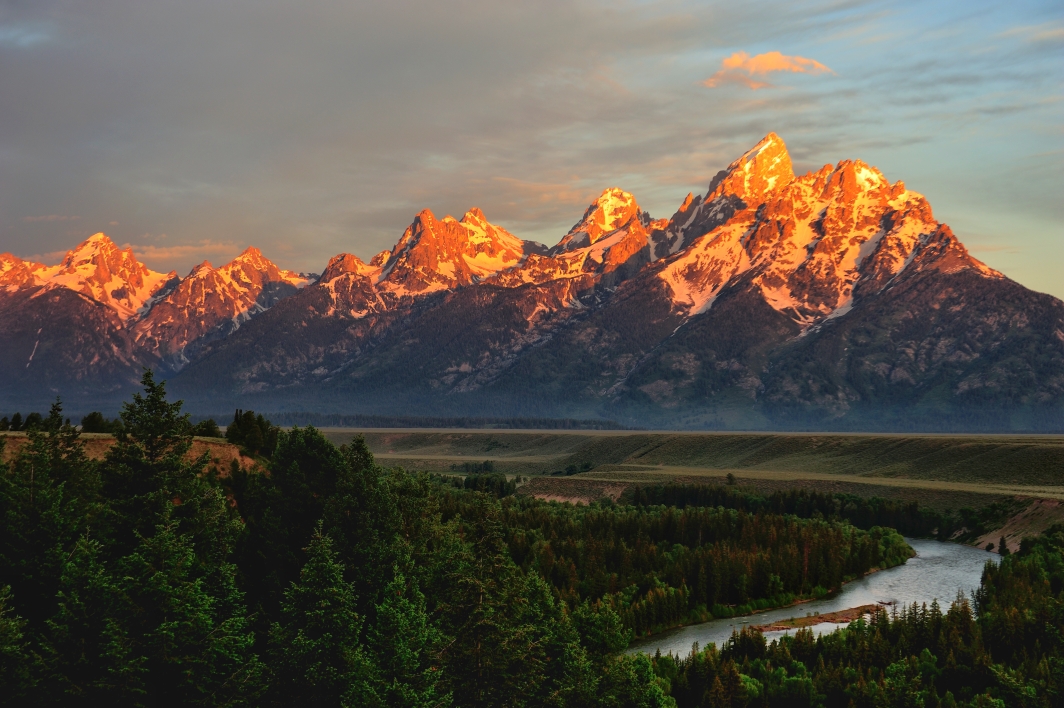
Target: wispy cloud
<point>49,217</point>
<point>741,68</point>
<point>1046,32</point>
<point>165,256</point>
<point>49,258</point>
<point>22,36</point>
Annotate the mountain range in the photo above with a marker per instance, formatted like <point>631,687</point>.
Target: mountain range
<point>830,300</point>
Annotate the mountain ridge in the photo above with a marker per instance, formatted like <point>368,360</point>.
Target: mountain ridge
<point>701,319</point>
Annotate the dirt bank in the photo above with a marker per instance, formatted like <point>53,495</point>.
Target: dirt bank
<point>96,446</point>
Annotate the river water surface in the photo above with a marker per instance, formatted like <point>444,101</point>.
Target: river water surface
<point>938,572</point>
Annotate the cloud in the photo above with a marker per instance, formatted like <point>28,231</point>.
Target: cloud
<point>1047,32</point>
<point>740,68</point>
<point>22,36</point>
<point>50,257</point>
<point>324,127</point>
<point>49,217</point>
<point>160,256</point>
<point>993,248</point>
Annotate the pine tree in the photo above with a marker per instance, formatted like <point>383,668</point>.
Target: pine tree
<point>194,643</point>
<point>46,501</point>
<point>364,518</point>
<point>315,651</point>
<point>17,663</point>
<point>85,631</point>
<point>149,475</point>
<point>405,645</point>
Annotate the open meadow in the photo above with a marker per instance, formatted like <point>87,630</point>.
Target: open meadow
<point>1009,464</point>
<point>1023,474</point>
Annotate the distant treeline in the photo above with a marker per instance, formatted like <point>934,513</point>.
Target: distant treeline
<point>16,422</point>
<point>908,517</point>
<point>338,420</point>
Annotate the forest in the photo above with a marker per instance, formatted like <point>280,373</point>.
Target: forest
<point>152,578</point>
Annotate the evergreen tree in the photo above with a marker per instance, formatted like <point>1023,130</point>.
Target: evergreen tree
<point>190,640</point>
<point>17,663</point>
<point>405,645</point>
<point>254,434</point>
<point>499,627</point>
<point>46,501</point>
<point>33,421</point>
<point>281,511</point>
<point>315,651</point>
<point>364,517</point>
<point>148,475</point>
<point>95,422</point>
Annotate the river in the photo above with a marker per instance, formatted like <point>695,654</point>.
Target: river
<point>938,571</point>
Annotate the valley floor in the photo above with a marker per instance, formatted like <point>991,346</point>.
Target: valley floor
<point>1022,473</point>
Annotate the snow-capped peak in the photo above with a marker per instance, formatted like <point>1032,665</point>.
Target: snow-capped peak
<point>345,263</point>
<point>811,244</point>
<point>614,206</point>
<point>613,209</point>
<point>16,273</point>
<point>112,276</point>
<point>440,254</point>
<point>762,169</point>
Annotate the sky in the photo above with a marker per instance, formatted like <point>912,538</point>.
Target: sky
<point>191,130</point>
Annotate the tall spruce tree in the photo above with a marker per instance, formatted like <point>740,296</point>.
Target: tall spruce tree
<point>152,613</point>
<point>315,650</point>
<point>406,645</point>
<point>47,501</point>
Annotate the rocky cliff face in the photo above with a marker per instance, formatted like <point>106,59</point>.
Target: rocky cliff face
<point>211,303</point>
<point>832,299</point>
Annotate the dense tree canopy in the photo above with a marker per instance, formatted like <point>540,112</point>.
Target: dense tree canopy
<point>322,578</point>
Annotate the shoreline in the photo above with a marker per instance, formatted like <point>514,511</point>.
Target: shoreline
<point>838,617</point>
<point>796,603</point>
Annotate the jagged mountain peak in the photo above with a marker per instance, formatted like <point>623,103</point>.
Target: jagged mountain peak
<point>612,210</point>
<point>211,302</point>
<point>16,273</point>
<point>474,216</point>
<point>762,169</point>
<point>809,246</point>
<point>345,263</point>
<point>96,248</point>
<point>114,277</point>
<point>251,255</point>
<point>441,254</point>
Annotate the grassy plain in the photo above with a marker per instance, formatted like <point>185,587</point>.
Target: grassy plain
<point>938,471</point>
<point>998,464</point>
